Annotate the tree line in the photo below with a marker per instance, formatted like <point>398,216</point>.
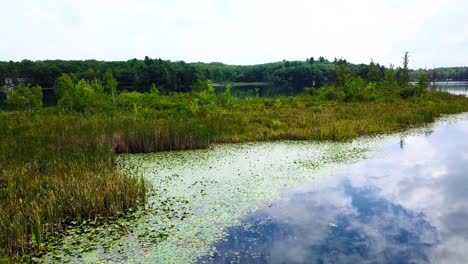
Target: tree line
<point>343,82</point>
<point>179,76</point>
<point>101,77</point>
<point>139,75</point>
<point>444,74</point>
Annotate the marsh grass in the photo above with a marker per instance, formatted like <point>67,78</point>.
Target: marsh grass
<point>58,168</point>
<point>54,170</point>
<point>302,119</point>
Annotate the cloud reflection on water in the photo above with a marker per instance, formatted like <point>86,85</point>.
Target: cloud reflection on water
<point>409,206</point>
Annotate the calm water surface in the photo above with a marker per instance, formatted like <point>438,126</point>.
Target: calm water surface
<point>454,87</point>
<point>410,205</point>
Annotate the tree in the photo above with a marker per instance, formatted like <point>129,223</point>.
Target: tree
<point>404,78</point>
<point>97,86</point>
<point>81,96</point>
<point>342,74</point>
<point>225,98</point>
<point>204,86</point>
<point>90,74</point>
<point>374,74</point>
<point>154,90</point>
<point>423,82</point>
<point>25,92</point>
<point>25,97</point>
<point>353,89</point>
<point>65,91</point>
<point>63,84</point>
<point>66,101</point>
<point>110,84</point>
<point>36,97</point>
<point>390,81</point>
<point>17,101</point>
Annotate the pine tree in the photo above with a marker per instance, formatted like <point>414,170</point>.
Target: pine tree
<point>403,79</point>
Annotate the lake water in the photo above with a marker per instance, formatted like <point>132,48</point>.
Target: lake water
<point>399,198</point>
<point>453,87</point>
<point>408,205</point>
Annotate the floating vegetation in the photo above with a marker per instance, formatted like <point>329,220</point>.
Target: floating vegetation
<point>196,194</point>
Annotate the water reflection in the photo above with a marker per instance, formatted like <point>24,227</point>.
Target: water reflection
<point>460,88</point>
<point>409,206</point>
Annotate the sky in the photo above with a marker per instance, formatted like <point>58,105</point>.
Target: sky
<point>242,32</point>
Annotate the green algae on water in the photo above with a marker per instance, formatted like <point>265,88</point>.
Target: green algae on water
<point>195,195</point>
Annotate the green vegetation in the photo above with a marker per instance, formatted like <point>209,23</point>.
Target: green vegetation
<point>169,77</point>
<point>179,76</point>
<point>25,97</point>
<point>58,163</point>
<point>55,170</point>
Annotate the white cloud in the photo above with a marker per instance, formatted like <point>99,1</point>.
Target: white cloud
<point>240,32</point>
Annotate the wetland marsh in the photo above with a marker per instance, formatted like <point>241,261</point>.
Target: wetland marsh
<point>294,201</point>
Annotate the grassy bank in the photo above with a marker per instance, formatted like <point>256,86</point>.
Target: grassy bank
<point>60,167</point>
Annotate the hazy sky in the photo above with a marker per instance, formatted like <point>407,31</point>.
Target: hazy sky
<point>435,32</point>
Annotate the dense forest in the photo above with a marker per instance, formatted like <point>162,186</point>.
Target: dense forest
<point>139,75</point>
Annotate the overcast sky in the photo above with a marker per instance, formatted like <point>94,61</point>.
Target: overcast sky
<point>435,32</point>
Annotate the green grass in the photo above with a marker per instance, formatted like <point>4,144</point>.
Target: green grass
<point>57,168</point>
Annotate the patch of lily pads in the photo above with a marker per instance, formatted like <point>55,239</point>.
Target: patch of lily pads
<point>195,195</point>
